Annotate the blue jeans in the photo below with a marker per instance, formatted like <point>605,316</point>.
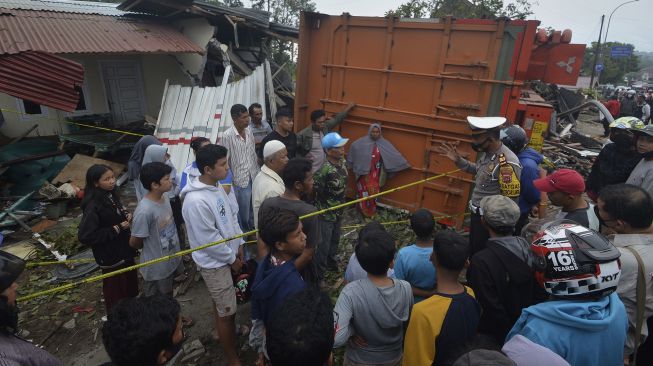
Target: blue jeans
<point>245,213</point>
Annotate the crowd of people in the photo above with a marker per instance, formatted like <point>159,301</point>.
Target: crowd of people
<point>523,289</point>
<point>627,103</point>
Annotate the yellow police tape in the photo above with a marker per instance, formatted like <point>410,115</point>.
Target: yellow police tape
<point>188,251</point>
<point>402,221</point>
<point>77,123</point>
<point>89,260</point>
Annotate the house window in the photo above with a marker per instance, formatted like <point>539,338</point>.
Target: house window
<point>84,104</point>
<point>81,105</point>
<point>30,110</point>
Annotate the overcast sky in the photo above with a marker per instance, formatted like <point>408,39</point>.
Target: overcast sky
<point>631,23</point>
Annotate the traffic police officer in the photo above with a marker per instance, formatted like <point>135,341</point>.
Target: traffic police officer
<point>497,171</point>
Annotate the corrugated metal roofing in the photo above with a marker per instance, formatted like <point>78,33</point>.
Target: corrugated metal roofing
<point>255,17</point>
<point>59,32</point>
<point>42,78</point>
<point>65,6</point>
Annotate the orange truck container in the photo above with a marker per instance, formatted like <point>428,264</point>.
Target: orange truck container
<point>419,78</point>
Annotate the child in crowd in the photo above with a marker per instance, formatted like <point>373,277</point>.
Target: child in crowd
<point>154,231</point>
<point>210,216</point>
<point>502,273</point>
<point>372,313</point>
<point>298,182</point>
<point>300,330</point>
<point>143,331</point>
<point>447,319</point>
<point>413,263</point>
<point>330,183</point>
<point>105,228</point>
<point>191,172</point>
<point>354,270</point>
<point>585,322</point>
<point>276,277</point>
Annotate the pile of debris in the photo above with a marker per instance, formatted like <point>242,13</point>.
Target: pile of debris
<point>573,151</point>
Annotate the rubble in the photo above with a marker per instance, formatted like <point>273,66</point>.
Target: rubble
<point>192,350</point>
<point>573,151</point>
<point>69,324</point>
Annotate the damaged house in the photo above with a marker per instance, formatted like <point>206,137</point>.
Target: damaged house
<point>129,52</point>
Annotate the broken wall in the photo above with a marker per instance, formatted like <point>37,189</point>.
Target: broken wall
<point>200,32</point>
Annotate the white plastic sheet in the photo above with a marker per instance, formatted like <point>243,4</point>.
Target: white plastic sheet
<point>189,112</point>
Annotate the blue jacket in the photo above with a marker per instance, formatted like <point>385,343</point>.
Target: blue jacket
<point>272,286</point>
<point>585,333</point>
<point>191,171</point>
<point>529,196</point>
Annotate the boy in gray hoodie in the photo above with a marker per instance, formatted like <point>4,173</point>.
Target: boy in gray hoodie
<point>372,313</point>
<point>211,216</point>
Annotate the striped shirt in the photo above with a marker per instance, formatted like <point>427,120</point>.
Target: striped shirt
<point>242,156</point>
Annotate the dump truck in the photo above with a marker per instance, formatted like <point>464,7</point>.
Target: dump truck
<point>421,78</point>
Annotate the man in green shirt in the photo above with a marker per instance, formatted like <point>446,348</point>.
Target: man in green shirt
<point>309,140</point>
<point>330,183</point>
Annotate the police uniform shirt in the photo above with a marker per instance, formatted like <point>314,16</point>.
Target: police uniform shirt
<point>495,173</point>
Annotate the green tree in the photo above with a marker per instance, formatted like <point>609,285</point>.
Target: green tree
<point>614,69</point>
<point>284,12</point>
<point>515,9</point>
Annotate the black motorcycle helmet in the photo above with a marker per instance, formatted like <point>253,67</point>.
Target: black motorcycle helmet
<point>514,137</point>
<point>10,269</point>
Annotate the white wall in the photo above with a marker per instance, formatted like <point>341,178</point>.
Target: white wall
<point>200,32</point>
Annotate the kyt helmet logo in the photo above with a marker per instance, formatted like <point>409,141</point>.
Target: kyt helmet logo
<point>568,66</point>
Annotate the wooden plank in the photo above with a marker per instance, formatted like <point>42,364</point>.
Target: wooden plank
<point>75,170</point>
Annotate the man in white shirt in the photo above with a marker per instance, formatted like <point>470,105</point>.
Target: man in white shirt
<point>628,210</point>
<point>239,141</point>
<point>268,182</point>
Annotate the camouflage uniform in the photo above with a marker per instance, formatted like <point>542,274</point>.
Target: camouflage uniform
<point>330,183</point>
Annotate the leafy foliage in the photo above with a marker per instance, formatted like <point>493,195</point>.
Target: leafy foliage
<point>515,9</point>
<point>614,69</point>
<point>284,12</point>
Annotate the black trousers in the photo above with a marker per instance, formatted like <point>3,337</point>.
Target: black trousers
<point>523,220</point>
<point>645,351</point>
<point>175,205</point>
<point>478,234</point>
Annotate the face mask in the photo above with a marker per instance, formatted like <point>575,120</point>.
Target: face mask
<point>602,222</point>
<point>622,141</point>
<point>479,147</point>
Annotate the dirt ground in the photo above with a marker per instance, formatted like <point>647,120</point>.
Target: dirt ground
<point>48,321</point>
<point>68,324</point>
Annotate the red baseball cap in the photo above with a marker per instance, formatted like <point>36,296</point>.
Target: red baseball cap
<point>562,180</point>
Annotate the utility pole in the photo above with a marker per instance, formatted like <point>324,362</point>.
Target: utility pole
<point>596,53</point>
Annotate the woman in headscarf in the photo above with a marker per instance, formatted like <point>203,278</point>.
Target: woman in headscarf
<point>371,157</point>
<point>136,159</point>
<point>153,154</point>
